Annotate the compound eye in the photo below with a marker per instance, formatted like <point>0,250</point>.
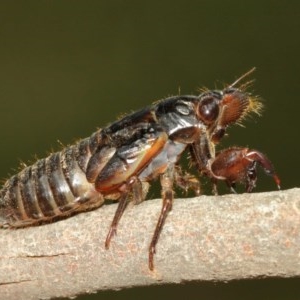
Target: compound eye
<point>208,110</point>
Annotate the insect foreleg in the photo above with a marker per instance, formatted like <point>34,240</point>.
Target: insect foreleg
<point>238,165</point>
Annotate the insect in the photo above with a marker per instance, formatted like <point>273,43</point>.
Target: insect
<point>119,161</point>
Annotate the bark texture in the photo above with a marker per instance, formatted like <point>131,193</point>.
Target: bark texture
<point>205,238</point>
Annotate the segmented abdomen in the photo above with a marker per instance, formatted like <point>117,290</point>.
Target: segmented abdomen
<point>52,187</point>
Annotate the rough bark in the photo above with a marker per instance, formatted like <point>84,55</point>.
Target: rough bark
<point>205,238</point>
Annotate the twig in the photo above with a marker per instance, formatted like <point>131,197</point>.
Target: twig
<point>206,238</point>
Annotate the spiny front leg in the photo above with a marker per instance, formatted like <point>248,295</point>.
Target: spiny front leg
<point>238,165</point>
<point>167,195</point>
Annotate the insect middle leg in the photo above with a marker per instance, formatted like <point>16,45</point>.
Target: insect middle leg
<point>186,181</point>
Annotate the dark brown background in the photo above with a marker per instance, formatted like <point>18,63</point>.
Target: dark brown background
<point>67,67</point>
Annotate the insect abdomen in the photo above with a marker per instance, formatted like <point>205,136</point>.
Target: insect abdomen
<point>52,187</point>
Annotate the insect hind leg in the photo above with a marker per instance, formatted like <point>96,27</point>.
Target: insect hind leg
<point>167,194</point>
<point>134,190</point>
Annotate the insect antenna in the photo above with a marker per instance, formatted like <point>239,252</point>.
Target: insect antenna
<point>242,77</point>
<point>246,85</point>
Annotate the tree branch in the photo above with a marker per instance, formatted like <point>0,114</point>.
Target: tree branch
<point>206,238</point>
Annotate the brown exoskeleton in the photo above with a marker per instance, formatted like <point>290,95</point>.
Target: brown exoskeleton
<point>118,161</point>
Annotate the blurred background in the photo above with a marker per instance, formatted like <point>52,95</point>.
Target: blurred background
<point>68,67</point>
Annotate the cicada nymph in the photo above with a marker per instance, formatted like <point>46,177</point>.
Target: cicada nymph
<point>119,161</point>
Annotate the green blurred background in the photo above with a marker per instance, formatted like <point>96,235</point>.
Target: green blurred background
<point>68,67</point>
